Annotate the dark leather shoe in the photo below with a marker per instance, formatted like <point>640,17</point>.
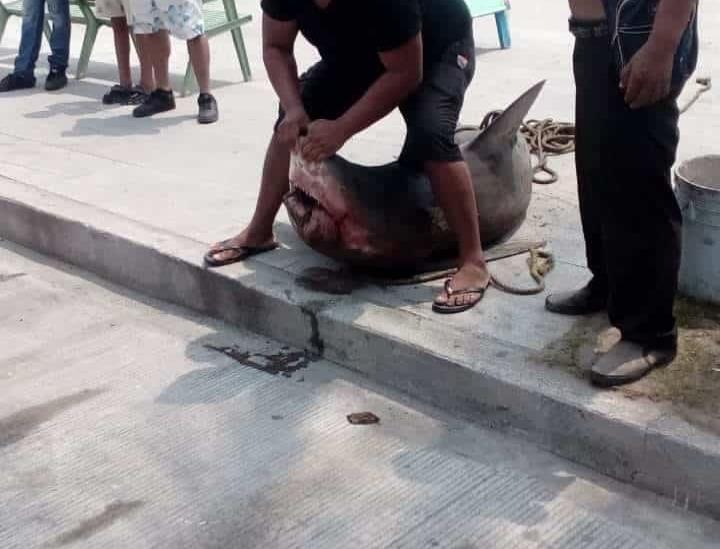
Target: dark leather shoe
<point>585,301</point>
<point>628,362</point>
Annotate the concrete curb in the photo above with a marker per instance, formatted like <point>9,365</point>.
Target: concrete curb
<point>479,377</point>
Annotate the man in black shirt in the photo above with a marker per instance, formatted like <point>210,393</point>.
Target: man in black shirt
<point>376,55</point>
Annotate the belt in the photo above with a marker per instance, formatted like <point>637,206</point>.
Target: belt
<point>589,29</point>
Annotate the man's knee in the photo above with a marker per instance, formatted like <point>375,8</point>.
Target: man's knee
<point>431,139</point>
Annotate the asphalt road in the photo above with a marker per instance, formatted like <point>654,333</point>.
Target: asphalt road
<point>129,423</point>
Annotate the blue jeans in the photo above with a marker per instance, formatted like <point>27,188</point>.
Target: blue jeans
<point>32,32</point>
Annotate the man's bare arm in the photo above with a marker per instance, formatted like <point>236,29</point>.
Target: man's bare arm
<point>671,20</point>
<point>279,58</point>
<point>403,74</point>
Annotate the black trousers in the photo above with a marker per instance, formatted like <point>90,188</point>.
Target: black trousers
<point>630,216</point>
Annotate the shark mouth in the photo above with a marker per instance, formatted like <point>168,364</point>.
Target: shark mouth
<point>320,210</point>
<point>317,219</point>
<point>311,219</point>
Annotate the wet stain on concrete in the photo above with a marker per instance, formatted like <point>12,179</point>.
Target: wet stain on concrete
<point>7,277</point>
<point>19,425</point>
<point>285,363</point>
<point>321,279</point>
<point>92,526</point>
<point>315,340</point>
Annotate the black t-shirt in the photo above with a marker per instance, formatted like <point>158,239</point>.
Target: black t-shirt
<point>352,32</point>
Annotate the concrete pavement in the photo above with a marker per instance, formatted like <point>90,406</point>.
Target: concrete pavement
<point>121,425</point>
<point>139,201</point>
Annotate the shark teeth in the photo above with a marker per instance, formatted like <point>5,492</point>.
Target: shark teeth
<point>305,190</point>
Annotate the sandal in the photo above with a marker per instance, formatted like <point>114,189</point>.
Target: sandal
<point>445,308</point>
<point>242,253</point>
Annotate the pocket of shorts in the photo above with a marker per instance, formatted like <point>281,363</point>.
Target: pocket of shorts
<point>453,73</point>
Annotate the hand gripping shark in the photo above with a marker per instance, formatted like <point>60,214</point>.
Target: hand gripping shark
<point>385,218</point>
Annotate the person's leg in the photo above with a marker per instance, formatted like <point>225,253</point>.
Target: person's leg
<point>154,47</point>
<point>60,38</point>
<point>643,228</point>
<point>147,78</point>
<point>143,21</point>
<point>157,47</point>
<point>324,95</point>
<point>432,115</point>
<point>453,191</point>
<point>642,239</point>
<point>121,36</point>
<point>199,52</point>
<point>117,11</point>
<point>591,62</point>
<point>30,39</point>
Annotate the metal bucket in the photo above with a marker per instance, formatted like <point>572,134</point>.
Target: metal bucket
<point>697,186</point>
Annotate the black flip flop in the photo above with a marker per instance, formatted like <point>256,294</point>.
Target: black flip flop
<point>444,308</point>
<point>243,252</point>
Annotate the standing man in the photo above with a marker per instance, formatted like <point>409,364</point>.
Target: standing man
<point>376,55</point>
<point>30,40</point>
<point>153,21</point>
<point>632,59</point>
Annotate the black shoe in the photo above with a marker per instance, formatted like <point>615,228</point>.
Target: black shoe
<point>138,96</point>
<point>208,109</point>
<point>585,301</point>
<point>56,80</point>
<point>120,95</point>
<point>157,102</point>
<point>14,82</point>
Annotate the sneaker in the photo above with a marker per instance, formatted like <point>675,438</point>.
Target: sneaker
<point>121,95</point>
<point>208,109</point>
<point>155,103</point>
<point>138,95</point>
<point>118,95</point>
<point>14,82</point>
<point>56,80</point>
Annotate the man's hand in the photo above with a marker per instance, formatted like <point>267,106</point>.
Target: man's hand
<point>292,125</point>
<point>646,79</point>
<point>324,138</point>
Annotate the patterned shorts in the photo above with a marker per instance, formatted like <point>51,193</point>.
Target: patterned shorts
<point>183,19</point>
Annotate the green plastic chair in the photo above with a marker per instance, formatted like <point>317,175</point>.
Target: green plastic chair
<point>82,13</point>
<point>498,8</point>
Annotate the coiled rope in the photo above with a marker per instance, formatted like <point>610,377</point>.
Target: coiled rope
<point>545,138</point>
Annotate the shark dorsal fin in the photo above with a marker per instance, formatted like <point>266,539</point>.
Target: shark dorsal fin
<point>507,124</point>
